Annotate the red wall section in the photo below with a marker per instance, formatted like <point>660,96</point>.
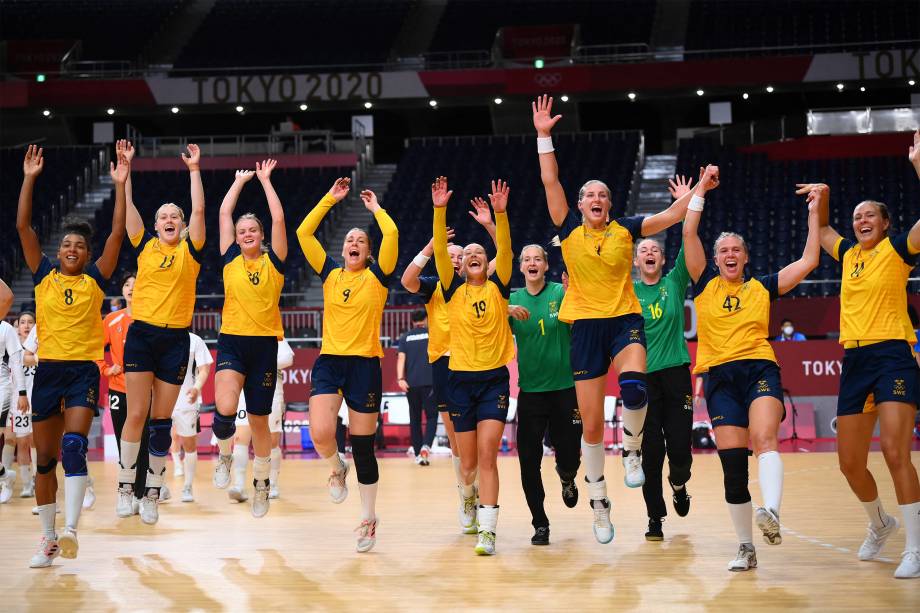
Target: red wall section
<point>832,147</point>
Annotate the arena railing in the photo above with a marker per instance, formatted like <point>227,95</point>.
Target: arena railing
<point>504,139</point>
<point>863,120</point>
<point>298,142</point>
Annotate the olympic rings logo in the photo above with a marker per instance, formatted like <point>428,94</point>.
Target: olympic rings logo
<point>547,79</point>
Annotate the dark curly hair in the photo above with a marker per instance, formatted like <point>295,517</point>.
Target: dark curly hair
<point>78,227</point>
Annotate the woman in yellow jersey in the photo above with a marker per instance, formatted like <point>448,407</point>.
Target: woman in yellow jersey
<point>480,348</point>
<point>247,348</point>
<point>879,380</point>
<point>157,343</point>
<point>744,395</point>
<point>601,305</point>
<point>354,294</point>
<point>68,298</point>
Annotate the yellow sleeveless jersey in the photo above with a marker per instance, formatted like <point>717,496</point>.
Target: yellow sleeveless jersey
<point>438,319</point>
<point>873,294</point>
<point>599,264</point>
<point>732,319</point>
<point>353,309</point>
<point>68,313</point>
<point>252,289</point>
<point>164,290</point>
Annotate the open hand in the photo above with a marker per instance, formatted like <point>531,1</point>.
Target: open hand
<point>34,162</point>
<point>193,159</point>
<point>499,196</point>
<point>369,199</point>
<point>121,172</point>
<point>439,192</point>
<point>543,119</point>
<point>340,188</point>
<point>124,146</point>
<point>23,404</point>
<point>679,186</point>
<point>243,176</point>
<point>481,211</point>
<point>264,170</point>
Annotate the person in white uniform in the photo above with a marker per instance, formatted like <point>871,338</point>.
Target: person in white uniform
<point>188,405</point>
<point>22,419</point>
<point>12,388</point>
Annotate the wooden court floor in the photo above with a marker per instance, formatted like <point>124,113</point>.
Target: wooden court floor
<point>213,556</point>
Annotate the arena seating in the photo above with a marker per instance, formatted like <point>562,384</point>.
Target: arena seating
<point>757,199</point>
<point>470,163</point>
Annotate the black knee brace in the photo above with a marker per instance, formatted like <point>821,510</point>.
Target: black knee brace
<point>735,469</point>
<point>44,469</point>
<point>224,427</point>
<point>160,436</point>
<point>679,474</point>
<point>362,449</point>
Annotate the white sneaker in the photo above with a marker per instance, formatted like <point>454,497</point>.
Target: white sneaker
<point>367,535</point>
<point>165,494</point>
<point>603,527</point>
<point>68,543</point>
<point>89,499</point>
<point>273,491</point>
<point>768,522</point>
<point>632,463</point>
<point>222,471</point>
<point>745,560</point>
<point>875,538</point>
<point>6,486</point>
<point>48,549</point>
<point>148,508</point>
<point>425,456</point>
<point>124,507</point>
<point>187,495</point>
<point>485,544</point>
<point>28,490</point>
<point>909,568</point>
<point>338,488</point>
<point>467,513</point>
<point>260,499</point>
<point>236,493</point>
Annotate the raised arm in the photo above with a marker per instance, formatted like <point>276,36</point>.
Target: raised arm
<point>439,198</point>
<point>913,239</point>
<point>820,193</point>
<point>311,247</point>
<point>108,260</point>
<point>694,254</point>
<point>792,275</point>
<point>504,258</point>
<point>279,230</point>
<point>653,224</point>
<point>483,216</point>
<point>31,167</point>
<point>134,223</point>
<point>410,276</point>
<point>544,121</point>
<point>196,223</point>
<point>389,246</point>
<point>225,217</point>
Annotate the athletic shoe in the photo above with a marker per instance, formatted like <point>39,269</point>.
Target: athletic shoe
<point>165,494</point>
<point>424,455</point>
<point>417,459</point>
<point>6,486</point>
<point>238,494</point>
<point>68,543</point>
<point>632,462</point>
<point>338,488</point>
<point>187,495</point>
<point>485,545</point>
<point>367,535</point>
<point>603,528</point>
<point>467,513</point>
<point>654,530</point>
<point>28,490</point>
<point>135,506</point>
<point>124,507</point>
<point>48,549</point>
<point>89,499</point>
<point>260,499</point>
<point>569,491</point>
<point>681,499</point>
<point>148,507</point>
<point>909,568</point>
<point>222,471</point>
<point>745,560</point>
<point>273,491</point>
<point>876,537</point>
<point>540,536</point>
<point>768,522</point>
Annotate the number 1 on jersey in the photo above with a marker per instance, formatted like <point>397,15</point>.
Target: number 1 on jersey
<point>542,329</point>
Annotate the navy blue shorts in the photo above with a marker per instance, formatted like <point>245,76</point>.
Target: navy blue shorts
<point>476,396</point>
<point>162,351</point>
<point>358,379</point>
<point>63,385</point>
<point>881,372</point>
<point>597,341</point>
<point>730,389</point>
<point>256,358</point>
<point>439,372</point>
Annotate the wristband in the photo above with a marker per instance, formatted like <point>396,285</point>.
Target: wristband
<point>545,144</point>
<point>22,393</point>
<point>420,260</point>
<point>696,204</point>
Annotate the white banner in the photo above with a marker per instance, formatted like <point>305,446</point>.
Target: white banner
<point>863,65</point>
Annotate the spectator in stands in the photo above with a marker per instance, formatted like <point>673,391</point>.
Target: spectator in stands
<point>788,333</point>
<point>414,378</point>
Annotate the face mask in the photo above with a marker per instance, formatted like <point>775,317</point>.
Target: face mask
<point>788,330</point>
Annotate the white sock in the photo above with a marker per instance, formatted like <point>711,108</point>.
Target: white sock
<point>33,452</point>
<point>455,460</point>
<point>240,461</point>
<point>25,473</point>
<point>770,474</point>
<point>47,514</point>
<point>911,514</point>
<point>742,519</point>
<point>488,518</point>
<point>633,421</point>
<point>261,467</point>
<point>368,500</point>
<point>876,513</point>
<point>74,490</point>
<point>336,461</point>
<point>9,454</point>
<point>190,464</point>
<point>175,458</point>
<point>276,465</point>
<point>224,445</point>
<point>592,456</point>
<point>466,490</point>
<point>128,472</point>
<point>157,469</point>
